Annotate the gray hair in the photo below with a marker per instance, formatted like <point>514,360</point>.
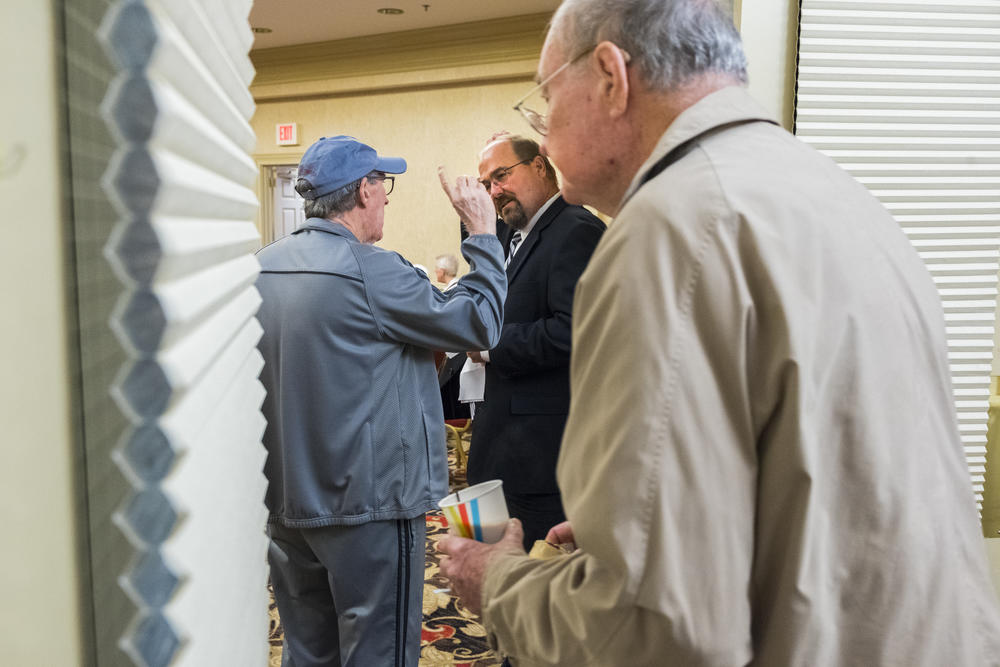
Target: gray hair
<point>671,42</point>
<point>340,201</point>
<point>448,264</point>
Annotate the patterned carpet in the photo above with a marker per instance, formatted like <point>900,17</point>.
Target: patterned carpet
<point>451,635</point>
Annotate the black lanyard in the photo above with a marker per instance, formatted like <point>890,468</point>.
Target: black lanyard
<point>675,154</point>
<point>682,149</point>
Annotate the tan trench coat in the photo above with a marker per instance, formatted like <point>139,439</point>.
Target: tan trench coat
<point>762,463</point>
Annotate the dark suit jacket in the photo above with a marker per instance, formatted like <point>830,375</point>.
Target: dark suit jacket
<point>517,429</point>
<point>448,379</point>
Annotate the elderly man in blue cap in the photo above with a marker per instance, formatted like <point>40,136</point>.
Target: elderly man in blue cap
<point>355,439</point>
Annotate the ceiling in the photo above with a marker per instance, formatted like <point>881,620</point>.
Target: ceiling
<point>303,21</point>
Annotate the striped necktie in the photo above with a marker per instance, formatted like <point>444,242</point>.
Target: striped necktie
<point>515,241</point>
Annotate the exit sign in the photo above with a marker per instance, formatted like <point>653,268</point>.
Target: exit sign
<point>288,134</point>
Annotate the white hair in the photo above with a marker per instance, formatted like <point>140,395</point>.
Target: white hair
<point>448,264</point>
<point>671,42</point>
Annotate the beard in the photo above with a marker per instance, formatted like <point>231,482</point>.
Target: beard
<point>512,213</point>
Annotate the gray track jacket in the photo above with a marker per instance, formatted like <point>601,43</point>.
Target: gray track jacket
<point>355,430</point>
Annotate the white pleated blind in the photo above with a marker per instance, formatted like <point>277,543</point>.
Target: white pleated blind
<point>181,179</point>
<point>905,95</point>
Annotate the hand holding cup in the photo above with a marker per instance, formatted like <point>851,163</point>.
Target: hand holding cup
<point>464,562</point>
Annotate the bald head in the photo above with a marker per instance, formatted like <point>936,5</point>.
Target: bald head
<point>524,149</point>
<point>518,177</point>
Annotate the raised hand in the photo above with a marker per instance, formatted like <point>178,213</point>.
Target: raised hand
<point>472,203</point>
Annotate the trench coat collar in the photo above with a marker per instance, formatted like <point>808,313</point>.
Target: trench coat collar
<point>727,106</point>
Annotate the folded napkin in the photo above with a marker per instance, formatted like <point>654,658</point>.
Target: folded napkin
<point>471,382</point>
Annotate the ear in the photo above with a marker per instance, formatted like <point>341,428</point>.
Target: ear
<point>612,70</point>
<point>538,164</point>
<point>363,195</point>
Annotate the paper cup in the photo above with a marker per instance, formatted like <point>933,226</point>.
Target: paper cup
<point>478,512</point>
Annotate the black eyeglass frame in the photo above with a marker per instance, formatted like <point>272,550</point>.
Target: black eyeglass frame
<point>384,178</point>
<point>499,175</point>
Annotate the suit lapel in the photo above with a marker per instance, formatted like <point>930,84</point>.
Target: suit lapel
<point>528,244</point>
<point>504,232</point>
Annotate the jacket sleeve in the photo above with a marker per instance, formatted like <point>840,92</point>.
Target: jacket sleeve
<point>567,611</point>
<point>408,308</point>
<point>530,347</point>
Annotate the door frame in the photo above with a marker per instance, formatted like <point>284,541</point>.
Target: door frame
<point>266,164</point>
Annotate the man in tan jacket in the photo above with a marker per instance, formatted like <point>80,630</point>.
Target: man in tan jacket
<point>762,463</point>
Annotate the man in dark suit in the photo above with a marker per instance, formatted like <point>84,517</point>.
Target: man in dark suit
<point>450,369</point>
<point>517,430</point>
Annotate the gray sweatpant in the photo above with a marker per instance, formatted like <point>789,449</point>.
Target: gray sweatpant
<point>349,596</point>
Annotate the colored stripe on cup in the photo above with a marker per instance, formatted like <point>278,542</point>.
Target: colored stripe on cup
<point>476,523</point>
<point>466,527</point>
<point>464,519</point>
<point>455,521</point>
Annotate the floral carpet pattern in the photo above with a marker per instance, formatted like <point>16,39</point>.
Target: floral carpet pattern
<point>451,635</point>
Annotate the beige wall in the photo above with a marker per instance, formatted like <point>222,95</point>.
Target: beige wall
<point>769,39</point>
<point>38,561</point>
<point>991,495</point>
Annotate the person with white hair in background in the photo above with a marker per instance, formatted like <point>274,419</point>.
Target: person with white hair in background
<point>446,274</point>
<point>446,270</point>
<point>762,463</point>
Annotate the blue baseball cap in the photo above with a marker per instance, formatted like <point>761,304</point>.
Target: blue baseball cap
<point>333,162</point>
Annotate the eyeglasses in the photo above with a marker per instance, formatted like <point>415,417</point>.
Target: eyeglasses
<point>499,176</point>
<point>539,122</point>
<point>387,181</point>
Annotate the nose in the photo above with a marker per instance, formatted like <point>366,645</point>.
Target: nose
<point>495,189</point>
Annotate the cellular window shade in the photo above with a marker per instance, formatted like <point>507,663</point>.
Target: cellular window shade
<point>181,180</point>
<point>905,95</point>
